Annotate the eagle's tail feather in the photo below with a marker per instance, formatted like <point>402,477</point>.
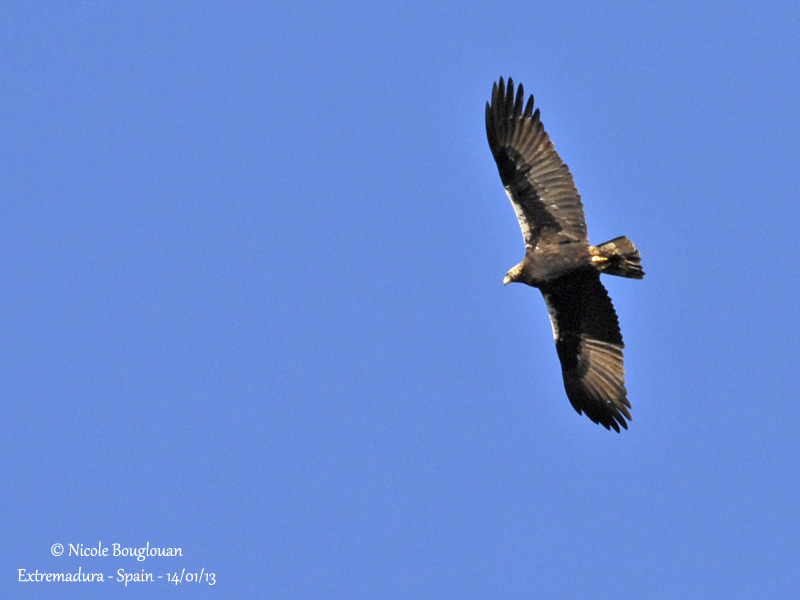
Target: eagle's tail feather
<point>618,257</point>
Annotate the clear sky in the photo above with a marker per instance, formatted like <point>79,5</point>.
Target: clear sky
<point>251,263</point>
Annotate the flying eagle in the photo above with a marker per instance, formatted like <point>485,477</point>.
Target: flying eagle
<point>559,259</point>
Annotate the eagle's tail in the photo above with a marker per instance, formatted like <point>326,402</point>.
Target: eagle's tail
<point>618,257</point>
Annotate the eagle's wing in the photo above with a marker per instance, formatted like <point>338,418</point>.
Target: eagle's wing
<point>537,182</point>
<point>589,346</point>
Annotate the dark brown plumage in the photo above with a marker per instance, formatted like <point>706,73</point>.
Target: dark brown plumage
<point>559,259</point>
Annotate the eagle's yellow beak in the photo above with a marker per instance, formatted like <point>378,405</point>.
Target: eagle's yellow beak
<point>507,280</point>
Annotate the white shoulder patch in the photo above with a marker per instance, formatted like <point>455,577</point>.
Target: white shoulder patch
<point>523,222</point>
<point>553,315</point>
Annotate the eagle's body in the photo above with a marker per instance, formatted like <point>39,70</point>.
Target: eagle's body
<point>559,259</point>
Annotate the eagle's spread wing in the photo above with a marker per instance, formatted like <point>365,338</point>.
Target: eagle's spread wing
<point>537,182</point>
<point>589,346</point>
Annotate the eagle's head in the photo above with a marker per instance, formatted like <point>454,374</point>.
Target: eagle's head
<point>513,274</point>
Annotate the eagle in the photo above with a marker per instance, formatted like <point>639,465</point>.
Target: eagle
<point>559,260</point>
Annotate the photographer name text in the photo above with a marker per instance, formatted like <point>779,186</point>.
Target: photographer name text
<point>116,550</point>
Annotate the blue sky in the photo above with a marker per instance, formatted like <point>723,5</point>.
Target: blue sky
<point>252,300</point>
